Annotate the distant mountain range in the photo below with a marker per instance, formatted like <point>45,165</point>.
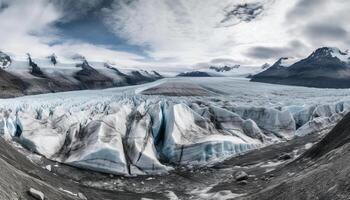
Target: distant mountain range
<point>20,77</point>
<point>222,71</point>
<point>224,68</point>
<point>194,74</point>
<point>324,68</point>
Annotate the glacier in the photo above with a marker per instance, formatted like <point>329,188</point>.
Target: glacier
<point>121,131</point>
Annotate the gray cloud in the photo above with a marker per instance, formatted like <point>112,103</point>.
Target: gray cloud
<point>242,13</point>
<point>262,52</point>
<point>325,31</point>
<point>224,60</point>
<point>181,32</point>
<point>306,7</point>
<point>3,5</point>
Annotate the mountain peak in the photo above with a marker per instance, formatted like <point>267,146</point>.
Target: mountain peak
<point>284,62</point>
<point>330,52</point>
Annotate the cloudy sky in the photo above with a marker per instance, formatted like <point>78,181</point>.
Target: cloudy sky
<point>174,33</point>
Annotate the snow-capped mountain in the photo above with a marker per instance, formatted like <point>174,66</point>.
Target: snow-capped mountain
<point>224,68</point>
<point>28,75</point>
<point>325,67</point>
<point>223,71</point>
<point>194,74</point>
<point>284,62</point>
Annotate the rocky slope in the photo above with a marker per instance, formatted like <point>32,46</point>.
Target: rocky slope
<point>324,68</point>
<point>19,175</point>
<point>320,173</point>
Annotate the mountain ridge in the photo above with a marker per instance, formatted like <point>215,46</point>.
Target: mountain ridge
<point>326,67</point>
<point>37,76</point>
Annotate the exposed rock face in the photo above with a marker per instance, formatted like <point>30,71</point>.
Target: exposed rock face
<point>265,66</point>
<point>139,78</point>
<point>324,68</point>
<point>91,78</point>
<point>35,71</point>
<point>53,59</point>
<point>5,60</point>
<point>11,85</point>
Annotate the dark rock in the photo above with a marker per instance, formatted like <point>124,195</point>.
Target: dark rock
<point>119,73</point>
<point>11,85</point>
<point>265,66</point>
<point>36,71</point>
<point>90,78</point>
<point>5,60</point>
<point>285,156</point>
<point>53,59</point>
<point>157,74</point>
<point>241,175</point>
<point>243,182</point>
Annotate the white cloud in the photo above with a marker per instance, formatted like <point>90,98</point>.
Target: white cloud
<point>191,31</point>
<point>182,32</point>
<point>26,27</point>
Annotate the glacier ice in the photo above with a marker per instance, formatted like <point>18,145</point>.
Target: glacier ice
<point>191,139</point>
<point>272,121</point>
<point>115,131</point>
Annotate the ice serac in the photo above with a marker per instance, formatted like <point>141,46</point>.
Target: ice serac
<point>235,125</point>
<point>42,132</point>
<point>323,118</point>
<point>140,143</point>
<point>98,145</point>
<point>273,122</point>
<point>192,139</point>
